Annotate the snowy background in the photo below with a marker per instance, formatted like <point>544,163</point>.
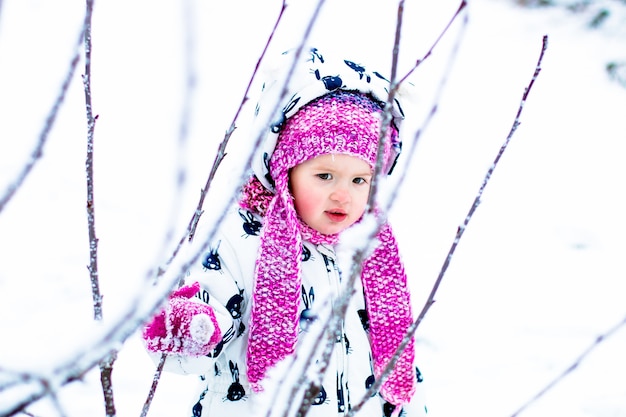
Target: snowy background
<point>539,274</point>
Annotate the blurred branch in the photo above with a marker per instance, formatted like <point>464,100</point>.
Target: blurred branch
<point>26,388</point>
<point>597,342</point>
<point>48,124</point>
<point>221,151</point>
<point>190,83</point>
<point>13,385</point>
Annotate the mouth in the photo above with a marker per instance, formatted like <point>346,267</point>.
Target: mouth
<point>336,215</point>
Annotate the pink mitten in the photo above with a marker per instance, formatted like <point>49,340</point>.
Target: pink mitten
<point>185,327</point>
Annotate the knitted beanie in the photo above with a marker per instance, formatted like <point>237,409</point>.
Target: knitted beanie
<point>340,122</point>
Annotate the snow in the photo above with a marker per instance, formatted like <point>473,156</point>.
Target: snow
<point>537,276</point>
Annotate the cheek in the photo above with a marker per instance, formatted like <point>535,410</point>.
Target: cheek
<point>304,203</point>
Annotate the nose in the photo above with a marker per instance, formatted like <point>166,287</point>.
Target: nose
<point>340,194</point>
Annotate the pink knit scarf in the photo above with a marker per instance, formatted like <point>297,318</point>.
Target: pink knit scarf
<point>273,329</point>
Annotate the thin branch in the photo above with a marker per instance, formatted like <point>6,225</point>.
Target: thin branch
<point>460,231</point>
<point>106,380</point>
<point>303,386</point>
<point>432,47</point>
<point>376,386</point>
<point>597,342</point>
<point>394,86</point>
<point>477,199</point>
<point>91,214</point>
<point>431,114</point>
<point>37,152</point>
<point>106,365</point>
<point>153,387</point>
<point>386,122</point>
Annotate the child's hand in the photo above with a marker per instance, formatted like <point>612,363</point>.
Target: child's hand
<point>185,327</point>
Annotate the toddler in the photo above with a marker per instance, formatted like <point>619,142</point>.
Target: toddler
<point>273,265</point>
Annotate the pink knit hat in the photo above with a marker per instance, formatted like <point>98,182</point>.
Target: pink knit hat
<point>339,122</point>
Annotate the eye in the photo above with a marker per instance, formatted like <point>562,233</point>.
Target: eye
<point>324,176</point>
<point>359,180</point>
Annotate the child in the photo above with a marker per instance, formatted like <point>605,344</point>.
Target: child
<point>273,265</point>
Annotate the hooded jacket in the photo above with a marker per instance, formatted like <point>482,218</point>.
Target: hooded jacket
<point>225,273</point>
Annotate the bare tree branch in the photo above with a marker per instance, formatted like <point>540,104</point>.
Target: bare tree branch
<point>303,388</point>
<point>386,122</point>
<point>91,214</point>
<point>460,231</point>
<point>597,342</point>
<point>153,387</point>
<point>106,364</point>
<point>106,380</point>
<point>376,386</point>
<point>418,62</point>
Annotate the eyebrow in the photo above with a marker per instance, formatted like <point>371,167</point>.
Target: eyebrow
<point>327,168</point>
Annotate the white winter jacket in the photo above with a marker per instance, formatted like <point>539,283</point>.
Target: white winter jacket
<point>225,274</point>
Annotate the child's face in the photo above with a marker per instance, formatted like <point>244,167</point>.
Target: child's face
<point>331,191</point>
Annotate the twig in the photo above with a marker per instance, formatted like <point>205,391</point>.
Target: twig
<point>333,323</point>
<point>460,231</point>
<point>477,199</point>
<point>376,386</point>
<point>432,47</point>
<point>386,122</point>
<point>37,152</point>
<point>106,380</point>
<point>434,107</point>
<point>91,214</point>
<point>153,387</point>
<point>597,342</point>
<point>394,86</point>
<point>106,365</point>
